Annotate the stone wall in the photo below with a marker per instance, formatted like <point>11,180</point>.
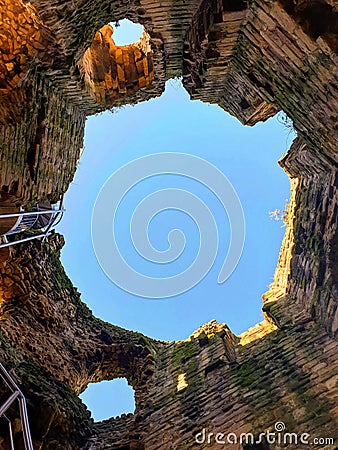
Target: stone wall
<point>287,376</point>
<point>114,72</point>
<point>245,384</point>
<point>255,59</point>
<point>40,153</point>
<point>251,58</point>
<point>306,275</point>
<point>46,96</point>
<point>23,39</point>
<point>55,346</point>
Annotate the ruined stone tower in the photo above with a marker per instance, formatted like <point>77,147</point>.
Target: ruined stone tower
<point>59,64</point>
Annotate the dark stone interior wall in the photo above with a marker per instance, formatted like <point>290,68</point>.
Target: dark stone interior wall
<point>253,59</point>
<point>55,346</point>
<point>41,150</point>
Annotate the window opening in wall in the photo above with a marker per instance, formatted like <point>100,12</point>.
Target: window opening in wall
<point>107,399</point>
<point>126,32</point>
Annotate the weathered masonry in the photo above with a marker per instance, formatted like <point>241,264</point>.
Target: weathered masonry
<point>59,64</point>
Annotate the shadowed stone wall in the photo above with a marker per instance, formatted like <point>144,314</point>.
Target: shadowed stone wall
<point>251,58</point>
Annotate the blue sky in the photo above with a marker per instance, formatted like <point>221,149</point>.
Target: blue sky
<point>246,155</point>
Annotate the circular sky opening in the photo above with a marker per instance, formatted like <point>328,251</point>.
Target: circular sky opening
<point>126,32</point>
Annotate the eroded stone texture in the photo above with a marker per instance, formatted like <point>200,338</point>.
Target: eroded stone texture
<point>253,59</point>
<point>23,39</point>
<point>231,384</point>
<point>56,347</point>
<point>40,153</point>
<point>112,70</point>
<point>306,275</point>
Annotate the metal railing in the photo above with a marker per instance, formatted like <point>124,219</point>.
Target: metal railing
<point>29,220</point>
<point>16,395</point>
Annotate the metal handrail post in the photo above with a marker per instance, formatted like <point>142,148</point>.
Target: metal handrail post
<point>25,424</point>
<point>8,402</point>
<point>53,222</point>
<point>17,394</point>
<point>10,433</point>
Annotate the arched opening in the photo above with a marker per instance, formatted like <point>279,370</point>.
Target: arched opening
<point>126,32</point>
<point>115,72</point>
<point>107,399</point>
<point>248,156</point>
